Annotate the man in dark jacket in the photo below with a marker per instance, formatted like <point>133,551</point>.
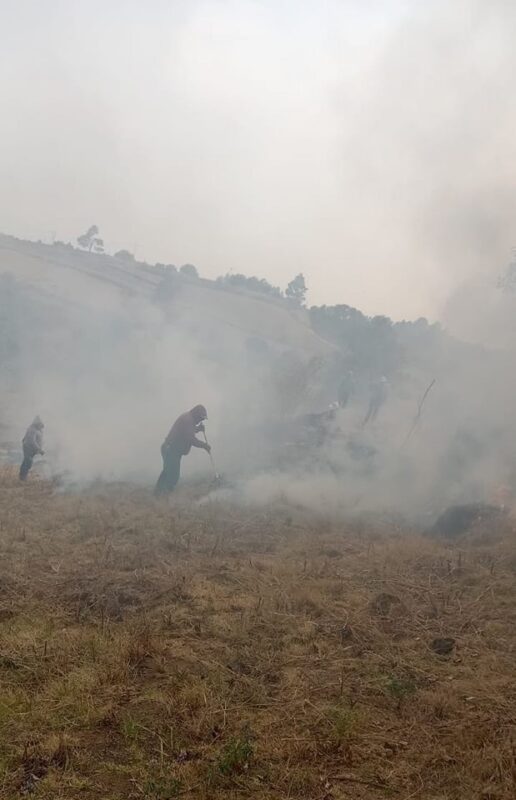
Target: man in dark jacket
<point>178,443</point>
<point>32,446</point>
<point>378,396</point>
<point>346,389</point>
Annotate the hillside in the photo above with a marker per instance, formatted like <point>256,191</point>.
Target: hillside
<point>283,632</point>
<point>69,275</point>
<point>109,351</point>
<point>84,336</point>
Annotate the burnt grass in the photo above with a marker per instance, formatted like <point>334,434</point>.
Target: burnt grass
<point>157,650</point>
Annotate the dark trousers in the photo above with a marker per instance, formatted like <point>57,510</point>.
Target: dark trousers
<point>343,399</point>
<point>28,458</point>
<point>171,471</point>
<point>372,412</point>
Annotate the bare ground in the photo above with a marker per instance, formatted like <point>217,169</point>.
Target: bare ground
<point>156,650</point>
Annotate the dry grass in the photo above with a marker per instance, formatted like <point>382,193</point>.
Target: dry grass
<point>156,651</point>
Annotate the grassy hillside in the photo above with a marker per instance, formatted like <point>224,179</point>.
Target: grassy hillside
<point>149,651</point>
<point>68,275</point>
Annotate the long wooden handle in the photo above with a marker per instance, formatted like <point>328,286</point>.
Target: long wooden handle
<point>210,455</point>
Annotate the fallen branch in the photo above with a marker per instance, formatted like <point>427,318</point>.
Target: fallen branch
<point>418,415</point>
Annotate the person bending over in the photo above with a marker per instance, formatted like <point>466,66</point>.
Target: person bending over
<point>180,440</point>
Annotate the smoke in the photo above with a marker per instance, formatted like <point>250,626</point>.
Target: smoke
<point>433,152</point>
<point>109,371</point>
<point>369,145</point>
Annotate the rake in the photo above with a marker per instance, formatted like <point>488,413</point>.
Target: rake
<point>217,478</point>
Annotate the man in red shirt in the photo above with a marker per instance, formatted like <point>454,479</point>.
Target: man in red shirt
<point>178,443</point>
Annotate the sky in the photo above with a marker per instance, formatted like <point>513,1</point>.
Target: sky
<point>370,145</point>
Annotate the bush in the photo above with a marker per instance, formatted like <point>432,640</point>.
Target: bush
<point>250,284</point>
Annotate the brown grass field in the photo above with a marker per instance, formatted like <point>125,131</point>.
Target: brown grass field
<point>160,650</point>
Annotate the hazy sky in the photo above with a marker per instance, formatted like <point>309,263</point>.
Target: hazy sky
<point>370,145</point>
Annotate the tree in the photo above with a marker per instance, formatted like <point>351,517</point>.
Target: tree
<point>190,270</point>
<point>372,343</point>
<point>91,241</point>
<point>124,255</point>
<point>296,290</point>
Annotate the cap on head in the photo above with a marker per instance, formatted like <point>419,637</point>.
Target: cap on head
<point>199,413</point>
<point>38,422</point>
